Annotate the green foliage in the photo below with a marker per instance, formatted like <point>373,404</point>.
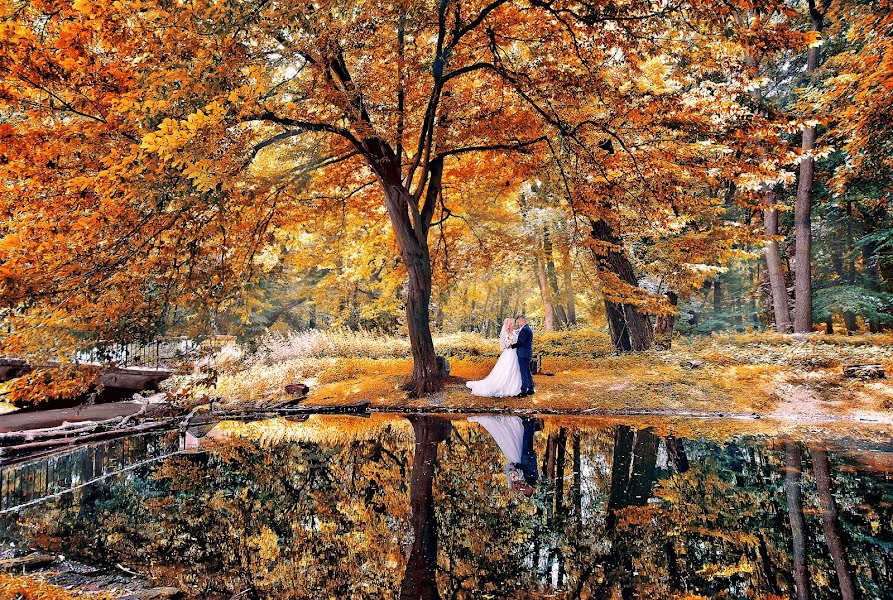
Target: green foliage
<point>871,305</point>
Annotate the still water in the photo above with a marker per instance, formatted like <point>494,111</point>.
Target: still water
<point>428,507</point>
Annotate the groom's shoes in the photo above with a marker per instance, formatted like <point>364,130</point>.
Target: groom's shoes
<point>521,395</point>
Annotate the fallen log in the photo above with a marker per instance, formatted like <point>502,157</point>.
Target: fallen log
<point>864,371</point>
<point>232,412</point>
<point>9,451</point>
<point>158,593</point>
<point>35,560</point>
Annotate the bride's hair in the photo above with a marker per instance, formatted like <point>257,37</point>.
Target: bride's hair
<point>508,325</point>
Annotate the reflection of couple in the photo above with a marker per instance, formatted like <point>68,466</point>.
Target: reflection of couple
<point>511,375</point>
<point>515,438</point>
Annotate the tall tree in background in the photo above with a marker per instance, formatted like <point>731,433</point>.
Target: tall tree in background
<point>803,204</point>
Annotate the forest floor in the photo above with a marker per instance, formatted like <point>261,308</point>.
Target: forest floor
<point>751,375</point>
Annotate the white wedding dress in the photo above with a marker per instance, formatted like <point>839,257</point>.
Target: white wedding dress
<point>509,435</point>
<point>505,378</point>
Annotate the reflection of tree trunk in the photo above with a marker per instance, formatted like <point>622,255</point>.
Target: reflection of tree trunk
<point>633,474</point>
<point>831,524</point>
<point>768,567</point>
<point>644,470</point>
<point>676,454</point>
<point>618,497</point>
<point>795,515</point>
<point>558,486</point>
<point>420,577</point>
<point>672,564</point>
<point>577,489</point>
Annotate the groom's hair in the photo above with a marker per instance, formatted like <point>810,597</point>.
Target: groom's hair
<point>521,316</point>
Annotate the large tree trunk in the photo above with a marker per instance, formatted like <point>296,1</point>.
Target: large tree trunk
<point>831,524</point>
<point>775,270</point>
<point>803,206</point>
<point>426,376</point>
<point>412,240</point>
<point>630,328</point>
<point>793,461</point>
<point>420,577</point>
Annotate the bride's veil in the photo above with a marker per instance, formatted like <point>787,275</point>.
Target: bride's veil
<point>505,336</point>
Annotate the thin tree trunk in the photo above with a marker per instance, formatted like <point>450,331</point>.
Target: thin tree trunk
<point>803,205</point>
<point>577,485</point>
<point>831,524</point>
<point>552,279</point>
<point>793,461</point>
<point>676,453</point>
<point>775,270</point>
<point>548,310</point>
<point>568,271</point>
<point>872,278</point>
<point>560,454</point>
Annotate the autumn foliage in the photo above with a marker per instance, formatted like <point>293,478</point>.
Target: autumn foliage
<point>164,162</point>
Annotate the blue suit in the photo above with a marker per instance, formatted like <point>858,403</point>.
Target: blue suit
<point>525,353</point>
<point>528,454</point>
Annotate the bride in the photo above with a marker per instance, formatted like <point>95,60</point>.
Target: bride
<point>505,378</point>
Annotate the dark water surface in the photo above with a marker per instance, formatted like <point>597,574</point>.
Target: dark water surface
<point>345,507</point>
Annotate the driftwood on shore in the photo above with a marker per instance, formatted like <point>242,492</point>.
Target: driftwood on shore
<point>35,560</point>
<point>15,444</point>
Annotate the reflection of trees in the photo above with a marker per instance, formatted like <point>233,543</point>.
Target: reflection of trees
<point>297,520</point>
<point>834,536</point>
<point>620,513</point>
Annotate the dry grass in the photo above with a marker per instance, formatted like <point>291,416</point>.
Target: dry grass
<point>769,374</point>
<point>22,587</point>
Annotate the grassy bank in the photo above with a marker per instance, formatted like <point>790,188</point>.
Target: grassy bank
<point>773,375</point>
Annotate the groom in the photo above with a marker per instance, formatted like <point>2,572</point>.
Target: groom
<point>525,353</point>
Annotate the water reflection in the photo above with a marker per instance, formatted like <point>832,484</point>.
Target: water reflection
<point>419,508</point>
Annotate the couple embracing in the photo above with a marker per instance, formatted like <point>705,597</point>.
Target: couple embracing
<point>511,375</point>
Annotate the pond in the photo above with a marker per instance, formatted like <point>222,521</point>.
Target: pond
<point>425,507</point>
